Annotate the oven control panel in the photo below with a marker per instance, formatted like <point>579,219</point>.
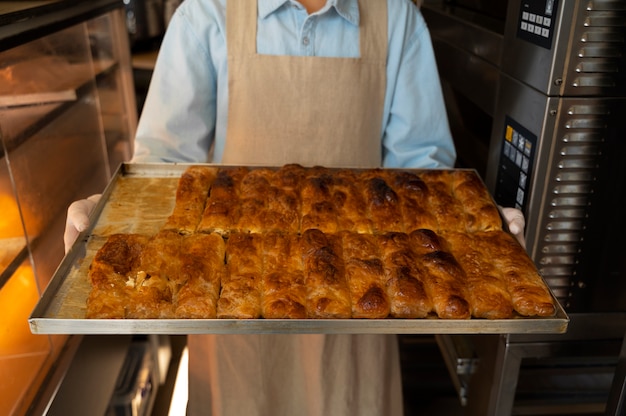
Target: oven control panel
<point>515,168</point>
<point>536,22</point>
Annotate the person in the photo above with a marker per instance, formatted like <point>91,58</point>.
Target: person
<point>350,83</point>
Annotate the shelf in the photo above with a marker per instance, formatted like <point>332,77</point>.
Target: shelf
<point>20,122</point>
<point>23,21</point>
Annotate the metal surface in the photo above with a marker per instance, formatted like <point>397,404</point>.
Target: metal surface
<point>574,135</point>
<point>591,343</point>
<point>139,199</point>
<point>570,95</point>
<point>586,57</point>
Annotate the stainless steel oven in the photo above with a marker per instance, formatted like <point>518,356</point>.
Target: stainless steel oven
<point>536,98</point>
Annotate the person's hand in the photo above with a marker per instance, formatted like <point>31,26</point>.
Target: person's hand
<point>78,219</point>
<point>516,223</point>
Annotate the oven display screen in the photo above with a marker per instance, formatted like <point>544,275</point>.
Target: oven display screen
<point>536,22</point>
<point>515,168</point>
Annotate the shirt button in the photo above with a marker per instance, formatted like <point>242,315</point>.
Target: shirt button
<point>305,41</point>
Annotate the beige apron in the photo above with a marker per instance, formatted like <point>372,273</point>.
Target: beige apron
<point>292,110</point>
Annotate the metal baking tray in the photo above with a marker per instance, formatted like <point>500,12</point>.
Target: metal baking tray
<point>139,199</point>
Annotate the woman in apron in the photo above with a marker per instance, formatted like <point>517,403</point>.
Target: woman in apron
<point>349,83</point>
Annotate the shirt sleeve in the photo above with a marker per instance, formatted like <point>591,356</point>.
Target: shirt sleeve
<point>416,132</point>
<point>180,106</point>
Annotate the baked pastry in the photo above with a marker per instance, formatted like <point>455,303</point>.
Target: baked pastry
<point>529,293</point>
<point>282,212</point>
<point>138,274</point>
<point>191,195</point>
<point>481,214</point>
<point>382,203</point>
<point>413,194</point>
<point>486,285</point>
<point>156,280</point>
<point>202,269</point>
<point>266,205</point>
<point>444,280</point>
<point>365,276</point>
<point>318,210</point>
<point>403,278</point>
<point>328,295</point>
<point>240,296</point>
<point>295,243</point>
<point>446,208</point>
<point>349,203</point>
<point>284,292</point>
<point>253,192</point>
<point>109,271</point>
<point>222,210</point>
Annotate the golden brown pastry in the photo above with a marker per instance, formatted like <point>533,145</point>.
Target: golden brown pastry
<point>413,194</point>
<point>254,188</point>
<point>481,213</point>
<point>318,209</point>
<point>202,268</point>
<point>328,295</point>
<point>349,203</point>
<point>365,276</point>
<point>290,176</point>
<point>382,202</point>
<point>283,211</point>
<point>157,278</point>
<point>446,208</point>
<point>444,280</point>
<point>126,283</point>
<point>191,195</point>
<point>403,277</point>
<point>108,273</point>
<point>284,291</point>
<point>223,210</point>
<point>486,287</point>
<point>529,293</point>
<point>295,242</point>
<point>240,297</point>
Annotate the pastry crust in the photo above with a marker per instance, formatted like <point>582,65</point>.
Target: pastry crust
<point>202,267</point>
<point>481,214</point>
<point>365,276</point>
<point>446,208</point>
<point>529,293</point>
<point>413,193</point>
<point>318,210</point>
<point>223,209</point>
<point>191,195</point>
<point>328,295</point>
<point>284,291</point>
<point>240,297</point>
<point>157,278</point>
<point>295,243</point>
<point>403,277</point>
<point>486,286</point>
<point>444,279</point>
<point>382,203</point>
<point>108,273</point>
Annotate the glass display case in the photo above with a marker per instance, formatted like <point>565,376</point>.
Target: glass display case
<point>67,118</point>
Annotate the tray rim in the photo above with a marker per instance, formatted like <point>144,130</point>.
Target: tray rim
<point>40,323</point>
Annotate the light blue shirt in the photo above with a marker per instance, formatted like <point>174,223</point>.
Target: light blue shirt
<point>185,114</point>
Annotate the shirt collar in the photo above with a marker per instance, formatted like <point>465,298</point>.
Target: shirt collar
<point>348,9</point>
